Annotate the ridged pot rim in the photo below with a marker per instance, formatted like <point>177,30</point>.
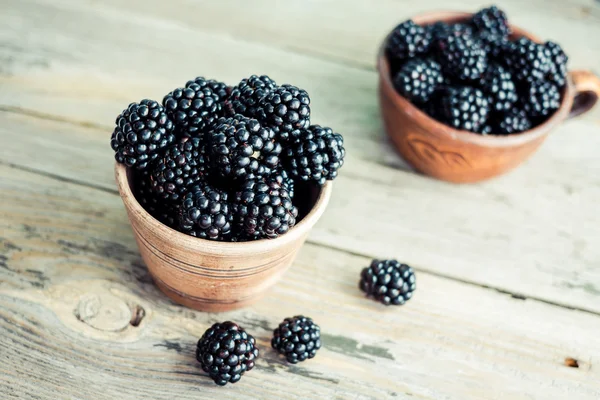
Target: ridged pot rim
<point>435,127</point>
<point>169,235</point>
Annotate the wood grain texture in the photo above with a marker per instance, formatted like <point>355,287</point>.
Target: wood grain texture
<point>81,319</point>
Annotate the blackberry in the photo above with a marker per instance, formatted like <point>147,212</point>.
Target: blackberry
<point>183,165</point>
<point>464,108</point>
<point>194,107</point>
<point>462,57</point>
<point>492,20</point>
<point>558,69</point>
<point>407,40</point>
<point>497,83</point>
<point>226,352</point>
<point>246,97</point>
<point>540,99</point>
<point>206,213</point>
<point>264,209</point>
<point>143,131</point>
<point>297,338</point>
<point>418,79</point>
<point>527,61</point>
<point>512,121</point>
<point>316,156</point>
<point>282,177</point>
<point>286,110</point>
<point>493,44</point>
<point>441,30</point>
<point>219,88</point>
<point>242,148</point>
<point>388,281</point>
<point>152,203</point>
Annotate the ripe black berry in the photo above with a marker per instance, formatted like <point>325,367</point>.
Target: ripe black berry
<point>558,69</point>
<point>464,108</point>
<point>206,213</point>
<point>286,110</point>
<point>196,106</point>
<point>143,130</point>
<point>418,79</point>
<point>461,57</point>
<point>241,148</point>
<point>511,121</point>
<point>540,99</point>
<point>527,60</point>
<point>264,209</point>
<point>297,338</point>
<point>492,20</point>
<point>407,40</point>
<point>246,97</point>
<point>183,165</point>
<point>497,83</point>
<point>388,281</point>
<point>441,30</point>
<point>153,203</point>
<point>281,176</point>
<point>226,352</point>
<point>316,156</point>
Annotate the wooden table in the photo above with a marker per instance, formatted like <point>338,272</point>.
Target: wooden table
<point>508,271</point>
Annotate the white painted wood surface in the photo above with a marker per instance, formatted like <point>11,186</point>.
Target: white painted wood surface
<point>68,67</point>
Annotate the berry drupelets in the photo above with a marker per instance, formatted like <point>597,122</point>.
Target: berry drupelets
<point>388,282</point>
<point>226,352</point>
<point>490,81</point>
<point>297,338</point>
<point>142,132</point>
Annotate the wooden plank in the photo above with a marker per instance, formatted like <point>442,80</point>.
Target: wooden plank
<point>496,234</point>
<point>67,249</point>
<point>352,34</point>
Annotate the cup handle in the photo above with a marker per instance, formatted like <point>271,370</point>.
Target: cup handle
<point>587,91</point>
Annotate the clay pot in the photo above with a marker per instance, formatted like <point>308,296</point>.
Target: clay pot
<point>453,155</point>
<point>215,276</point>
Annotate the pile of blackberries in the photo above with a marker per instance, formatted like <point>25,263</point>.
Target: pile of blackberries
<point>222,163</point>
<point>475,75</point>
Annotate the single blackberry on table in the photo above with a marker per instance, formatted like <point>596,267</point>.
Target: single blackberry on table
<point>264,209</point>
<point>143,131</point>
<point>540,99</point>
<point>242,148</point>
<point>316,156</point>
<point>286,110</point>
<point>155,205</point>
<point>194,107</point>
<point>183,165</point>
<point>407,40</point>
<point>492,20</point>
<point>464,108</point>
<point>297,338</point>
<point>206,213</point>
<point>388,281</point>
<point>558,69</point>
<point>461,57</point>
<point>497,83</point>
<point>511,121</point>
<point>246,97</point>
<point>226,352</point>
<point>527,60</point>
<point>418,79</point>
<point>281,176</point>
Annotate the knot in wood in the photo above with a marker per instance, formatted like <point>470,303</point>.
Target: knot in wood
<point>104,312</point>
